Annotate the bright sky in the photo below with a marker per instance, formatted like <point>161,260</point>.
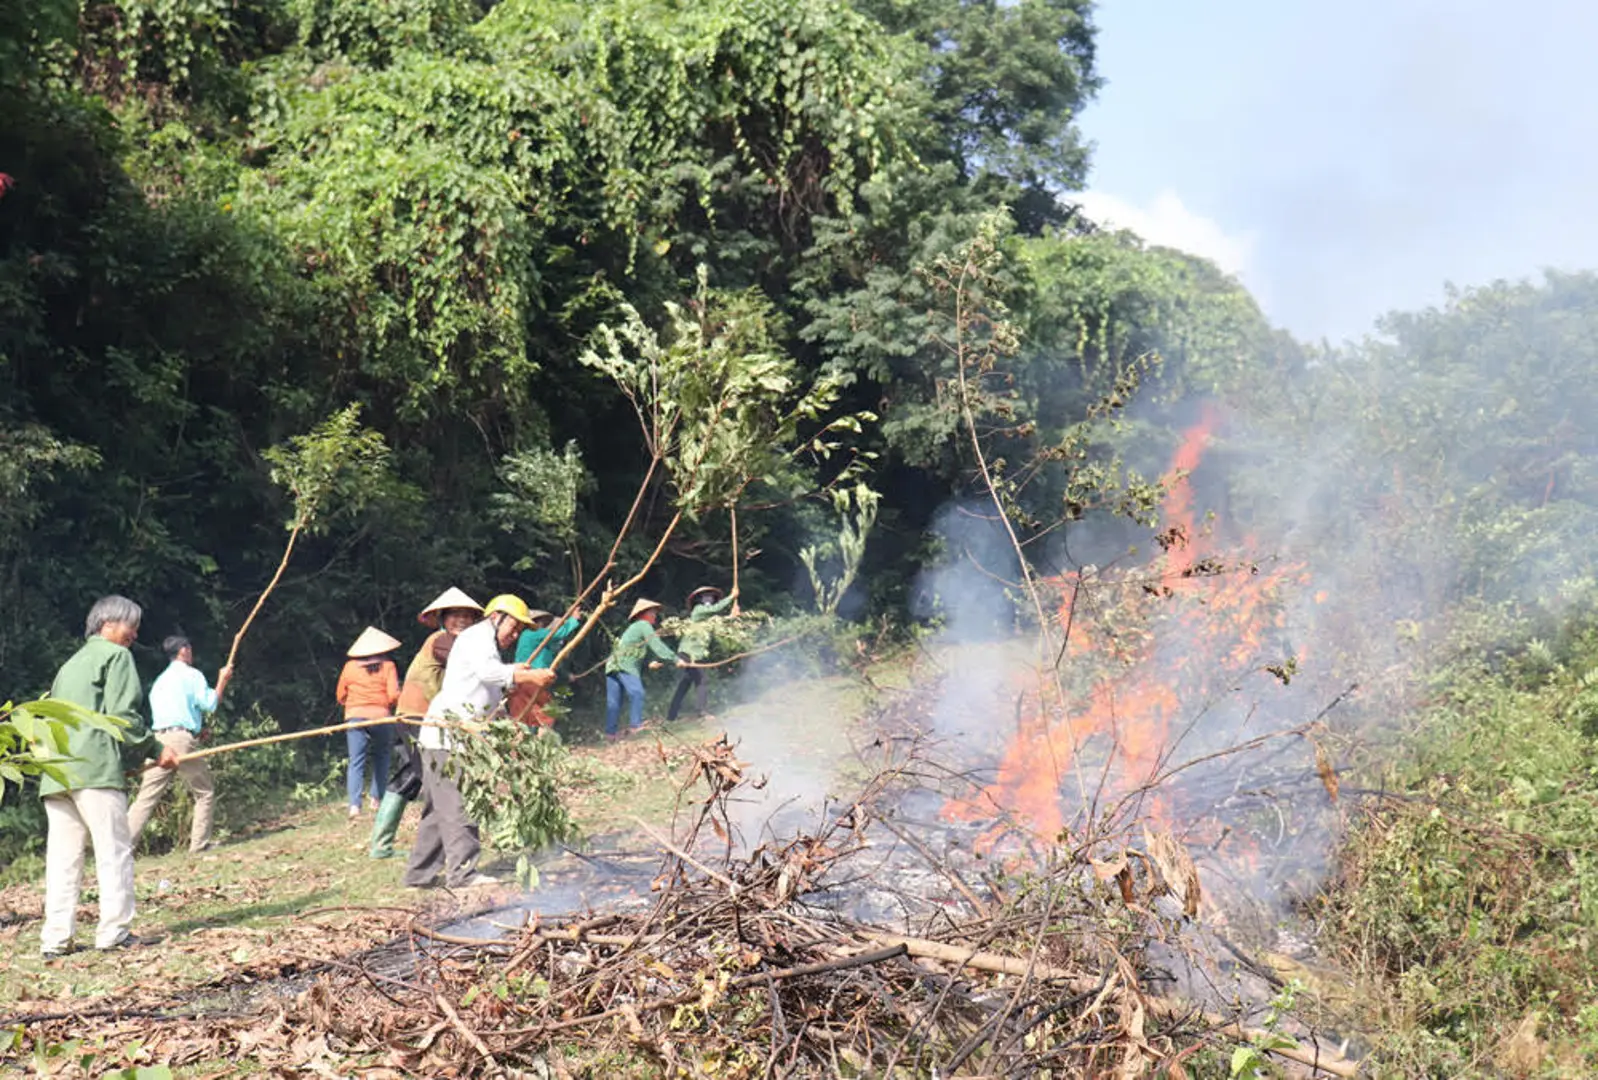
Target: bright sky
<point>1347,159</point>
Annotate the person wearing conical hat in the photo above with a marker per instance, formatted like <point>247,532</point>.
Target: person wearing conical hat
<point>449,614</point>
<point>368,688</point>
<point>475,684</point>
<point>624,669</point>
<point>704,604</point>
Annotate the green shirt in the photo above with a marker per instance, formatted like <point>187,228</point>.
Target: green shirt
<point>695,641</point>
<point>540,646</point>
<point>100,676</point>
<point>635,643</point>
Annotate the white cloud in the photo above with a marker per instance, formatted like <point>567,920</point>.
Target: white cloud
<point>1168,222</point>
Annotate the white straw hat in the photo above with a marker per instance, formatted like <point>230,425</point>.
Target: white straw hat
<point>447,600</point>
<point>372,642</point>
<point>643,606</point>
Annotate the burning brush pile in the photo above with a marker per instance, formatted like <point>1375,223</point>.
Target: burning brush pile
<point>748,965</point>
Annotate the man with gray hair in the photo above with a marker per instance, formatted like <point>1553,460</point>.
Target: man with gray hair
<point>85,800</point>
<point>180,698</point>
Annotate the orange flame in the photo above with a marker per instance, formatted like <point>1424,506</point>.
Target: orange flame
<point>1187,627</point>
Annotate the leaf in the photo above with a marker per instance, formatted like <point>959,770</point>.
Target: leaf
<point>1105,869</point>
<point>1175,866</point>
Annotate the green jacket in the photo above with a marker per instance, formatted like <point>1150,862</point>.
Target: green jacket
<point>637,641</point>
<point>695,641</point>
<point>100,676</point>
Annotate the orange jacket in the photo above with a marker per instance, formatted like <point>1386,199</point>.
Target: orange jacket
<point>367,694</point>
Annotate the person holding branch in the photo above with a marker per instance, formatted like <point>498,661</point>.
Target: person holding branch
<point>180,699</point>
<point>624,669</point>
<point>449,614</point>
<point>368,688</point>
<point>704,604</point>
<point>83,795</point>
<point>475,683</point>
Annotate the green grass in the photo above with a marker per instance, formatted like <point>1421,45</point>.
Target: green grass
<point>1468,903</point>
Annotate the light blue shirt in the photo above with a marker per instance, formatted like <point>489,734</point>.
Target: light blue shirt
<point>179,698</point>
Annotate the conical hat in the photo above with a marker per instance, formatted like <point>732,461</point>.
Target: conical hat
<point>449,598</point>
<point>372,642</point>
<point>643,606</point>
<point>702,590</point>
<point>536,614</point>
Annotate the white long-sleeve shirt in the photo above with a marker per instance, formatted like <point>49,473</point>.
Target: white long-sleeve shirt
<point>475,682</point>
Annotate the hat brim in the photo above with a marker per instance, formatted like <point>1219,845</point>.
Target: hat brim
<point>372,642</point>
<point>451,599</point>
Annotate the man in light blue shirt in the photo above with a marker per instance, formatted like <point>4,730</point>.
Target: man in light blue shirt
<point>180,698</point>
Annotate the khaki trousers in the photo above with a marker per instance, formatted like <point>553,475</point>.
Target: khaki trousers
<point>100,816</point>
<point>196,776</point>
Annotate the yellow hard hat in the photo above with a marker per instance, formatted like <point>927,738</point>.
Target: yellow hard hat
<point>512,605</point>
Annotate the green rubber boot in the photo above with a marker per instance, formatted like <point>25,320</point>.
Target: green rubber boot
<point>387,824</point>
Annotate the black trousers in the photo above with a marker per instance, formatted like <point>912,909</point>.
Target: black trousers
<point>689,677</point>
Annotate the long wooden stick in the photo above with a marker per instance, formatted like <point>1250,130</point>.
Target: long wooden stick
<point>733,510</point>
<point>607,599</point>
<point>294,534</point>
<point>350,725</point>
<point>747,654</point>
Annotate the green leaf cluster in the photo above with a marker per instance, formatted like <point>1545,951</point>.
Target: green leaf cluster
<point>33,737</point>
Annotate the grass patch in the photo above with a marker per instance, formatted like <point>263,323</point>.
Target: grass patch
<point>1467,900</point>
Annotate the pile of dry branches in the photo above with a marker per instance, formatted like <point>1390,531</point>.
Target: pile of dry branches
<point>740,967</point>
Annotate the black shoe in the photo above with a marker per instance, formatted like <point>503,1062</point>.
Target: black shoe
<point>128,941</point>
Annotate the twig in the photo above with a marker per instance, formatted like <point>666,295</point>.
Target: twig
<point>733,511</point>
<point>118,1013</point>
<point>608,598</point>
<point>746,655</point>
<point>732,886</point>
<point>1009,965</point>
<point>946,870</point>
<point>467,1033</point>
<point>288,550</point>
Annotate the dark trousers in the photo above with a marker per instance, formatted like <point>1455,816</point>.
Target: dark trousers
<point>446,839</point>
<point>688,679</point>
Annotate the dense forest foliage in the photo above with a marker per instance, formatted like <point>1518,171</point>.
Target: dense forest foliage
<point>228,220</point>
<point>224,222</point>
